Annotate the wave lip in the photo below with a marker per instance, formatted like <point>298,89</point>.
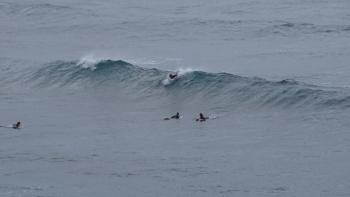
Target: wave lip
<point>222,89</point>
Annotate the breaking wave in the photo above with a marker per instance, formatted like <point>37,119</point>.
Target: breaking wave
<point>221,88</point>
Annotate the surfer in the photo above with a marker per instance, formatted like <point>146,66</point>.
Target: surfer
<point>13,126</point>
<point>176,116</point>
<point>202,118</point>
<point>172,76</point>
<point>17,125</point>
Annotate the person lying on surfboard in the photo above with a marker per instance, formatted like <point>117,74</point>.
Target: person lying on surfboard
<point>13,126</point>
<point>176,116</point>
<point>17,125</point>
<point>202,118</point>
<point>172,76</point>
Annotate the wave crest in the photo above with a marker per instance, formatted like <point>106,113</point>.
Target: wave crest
<point>222,89</point>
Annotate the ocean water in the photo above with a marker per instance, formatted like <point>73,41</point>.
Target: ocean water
<point>88,80</point>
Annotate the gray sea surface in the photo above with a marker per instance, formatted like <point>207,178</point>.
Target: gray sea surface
<point>89,82</point>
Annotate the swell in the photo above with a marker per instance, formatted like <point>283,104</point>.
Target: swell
<point>36,11</point>
<point>224,89</point>
<point>286,28</point>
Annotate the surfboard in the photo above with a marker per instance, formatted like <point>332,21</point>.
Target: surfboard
<point>172,118</point>
<point>210,117</point>
<point>9,127</point>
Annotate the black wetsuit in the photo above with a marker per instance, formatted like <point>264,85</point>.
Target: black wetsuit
<point>17,125</point>
<point>202,118</point>
<point>177,116</point>
<point>171,76</point>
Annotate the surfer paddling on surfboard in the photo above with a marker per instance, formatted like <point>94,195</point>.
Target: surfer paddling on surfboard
<point>176,116</point>
<point>201,118</point>
<point>17,125</point>
<point>13,126</point>
<point>172,76</point>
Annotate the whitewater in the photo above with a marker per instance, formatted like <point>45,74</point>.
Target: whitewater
<point>89,82</point>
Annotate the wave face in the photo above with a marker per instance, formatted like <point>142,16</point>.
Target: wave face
<point>222,89</point>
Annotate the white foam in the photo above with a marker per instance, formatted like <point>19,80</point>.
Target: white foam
<point>167,81</point>
<point>89,61</point>
<point>184,71</point>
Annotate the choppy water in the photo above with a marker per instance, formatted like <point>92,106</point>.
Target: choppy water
<point>89,82</point>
